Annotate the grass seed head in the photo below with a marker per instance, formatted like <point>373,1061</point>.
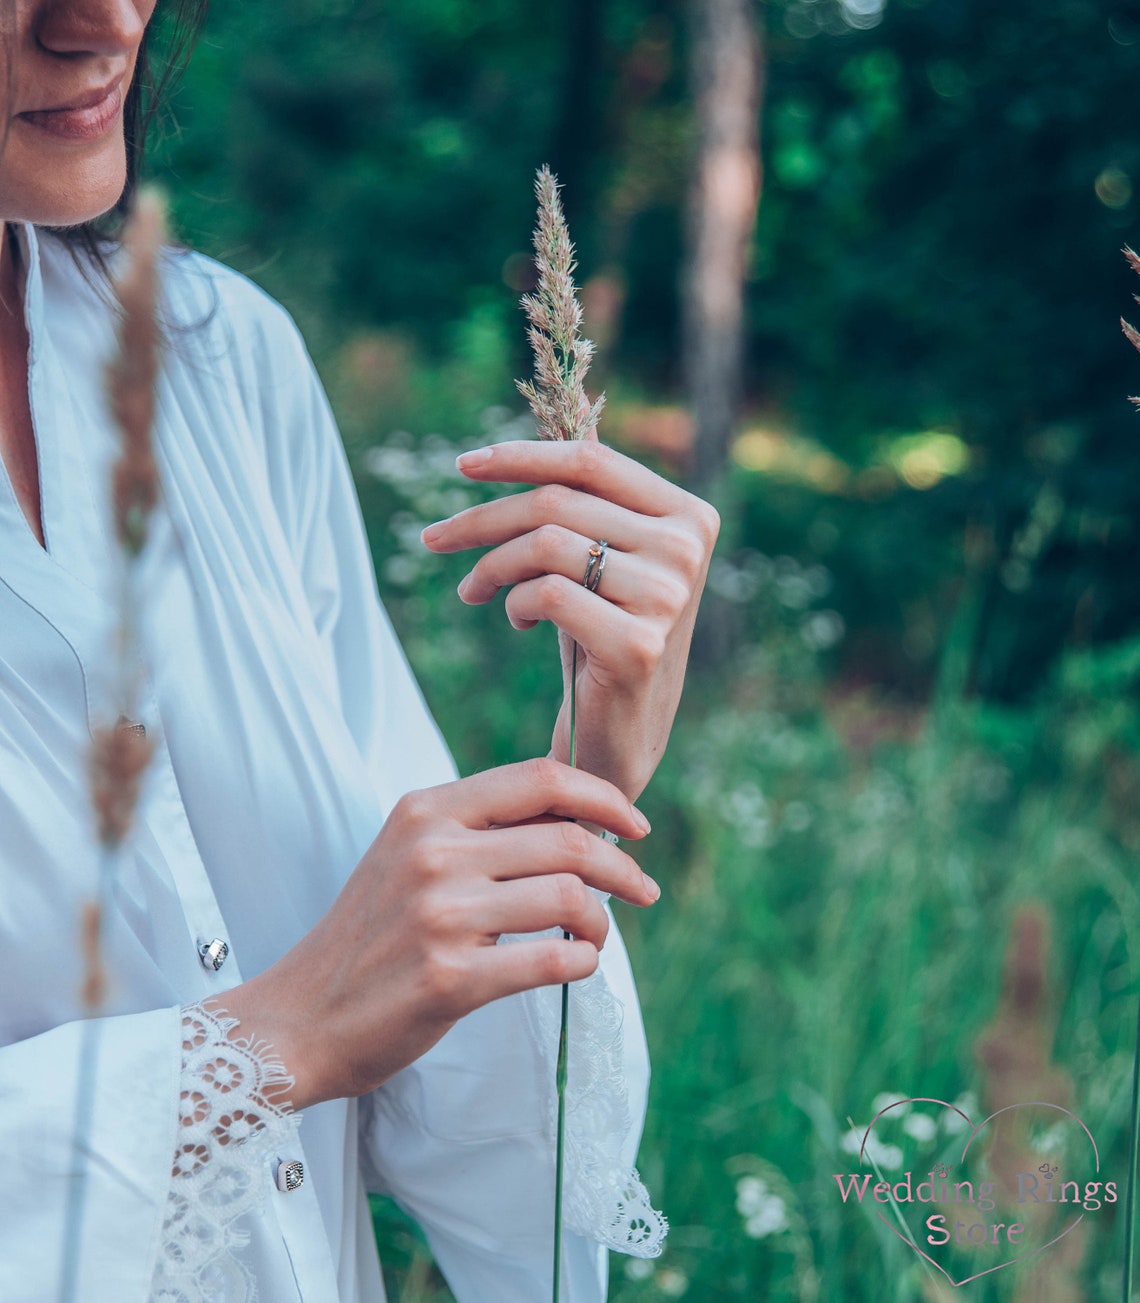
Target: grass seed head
<point>119,756</point>
<point>557,395</point>
<point>133,373</point>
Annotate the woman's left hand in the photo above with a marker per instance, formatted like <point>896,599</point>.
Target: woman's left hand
<point>633,631</point>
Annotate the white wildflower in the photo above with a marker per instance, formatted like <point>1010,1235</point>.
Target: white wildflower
<point>874,1150</point>
<point>889,1098</point>
<point>672,1283</point>
<point>921,1126</point>
<point>764,1212</point>
<point>955,1124</point>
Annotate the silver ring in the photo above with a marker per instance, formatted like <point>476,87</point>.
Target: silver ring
<point>595,565</point>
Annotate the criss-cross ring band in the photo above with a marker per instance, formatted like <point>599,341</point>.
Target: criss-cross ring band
<point>595,565</point>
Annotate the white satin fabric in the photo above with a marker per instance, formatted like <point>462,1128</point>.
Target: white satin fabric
<point>286,724</point>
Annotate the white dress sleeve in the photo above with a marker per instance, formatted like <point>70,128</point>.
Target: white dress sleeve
<point>464,1138</point>
<point>229,1127</point>
<point>130,1138</point>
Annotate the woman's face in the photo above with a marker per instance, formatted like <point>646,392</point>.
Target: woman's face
<point>70,63</point>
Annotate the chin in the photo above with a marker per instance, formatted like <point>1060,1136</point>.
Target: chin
<point>66,192</point>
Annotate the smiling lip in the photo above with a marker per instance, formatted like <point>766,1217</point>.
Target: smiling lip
<point>87,117</point>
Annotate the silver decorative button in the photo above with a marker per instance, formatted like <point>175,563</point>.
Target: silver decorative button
<point>213,953</point>
<point>125,725</point>
<point>290,1176</point>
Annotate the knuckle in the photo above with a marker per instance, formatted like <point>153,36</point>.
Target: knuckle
<point>445,982</point>
<point>560,963</point>
<point>576,842</point>
<point>646,650</point>
<point>707,521</point>
<point>710,520</point>
<point>413,808</point>
<point>546,774</point>
<point>593,456</point>
<point>427,916</point>
<point>550,501</point>
<point>551,966</point>
<point>546,542</point>
<point>571,895</point>
<point>690,554</point>
<point>551,592</point>
<point>445,916</point>
<point>432,860</point>
<point>672,595</point>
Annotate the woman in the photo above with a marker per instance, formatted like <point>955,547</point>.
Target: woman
<point>309,922</point>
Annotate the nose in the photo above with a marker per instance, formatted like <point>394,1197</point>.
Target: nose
<point>101,27</point>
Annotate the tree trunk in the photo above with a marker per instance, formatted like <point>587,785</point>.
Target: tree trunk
<point>727,76</point>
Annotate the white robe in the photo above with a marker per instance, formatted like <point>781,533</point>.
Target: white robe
<point>286,723</point>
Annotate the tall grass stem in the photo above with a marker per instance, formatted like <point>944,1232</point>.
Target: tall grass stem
<point>561,1069</point>
<point>84,1109</point>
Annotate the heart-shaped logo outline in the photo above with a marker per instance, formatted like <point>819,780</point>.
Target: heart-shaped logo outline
<point>974,1131</point>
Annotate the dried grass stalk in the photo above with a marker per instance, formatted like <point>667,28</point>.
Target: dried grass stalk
<point>119,754</point>
<point>133,373</point>
<point>562,411</point>
<point>1015,1055</point>
<point>94,990</point>
<point>562,357</point>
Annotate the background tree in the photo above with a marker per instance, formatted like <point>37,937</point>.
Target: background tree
<point>727,77</point>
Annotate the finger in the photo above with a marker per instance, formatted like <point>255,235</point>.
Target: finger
<point>580,463</point>
<point>540,849</point>
<point>552,549</point>
<point>523,965</point>
<point>535,904</point>
<point>525,790</point>
<point>492,523</point>
<point>607,633</point>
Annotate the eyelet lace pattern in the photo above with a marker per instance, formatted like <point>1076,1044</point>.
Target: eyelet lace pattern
<point>230,1131</point>
<point>602,1198</point>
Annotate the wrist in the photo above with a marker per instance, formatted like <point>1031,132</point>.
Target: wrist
<point>258,1021</point>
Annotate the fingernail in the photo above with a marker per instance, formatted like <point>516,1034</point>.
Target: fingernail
<point>435,532</point>
<point>652,887</point>
<point>477,457</point>
<point>464,585</point>
<point>640,819</point>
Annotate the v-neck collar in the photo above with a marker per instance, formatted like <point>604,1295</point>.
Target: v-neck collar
<point>70,582</point>
<point>24,250</point>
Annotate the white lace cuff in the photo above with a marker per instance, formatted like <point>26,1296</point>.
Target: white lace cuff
<point>604,1198</point>
<point>230,1130</point>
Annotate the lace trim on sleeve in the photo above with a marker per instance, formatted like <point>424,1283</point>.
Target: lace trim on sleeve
<point>230,1129</point>
<point>603,1198</point>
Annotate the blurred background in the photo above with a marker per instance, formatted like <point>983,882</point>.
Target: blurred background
<point>854,269</point>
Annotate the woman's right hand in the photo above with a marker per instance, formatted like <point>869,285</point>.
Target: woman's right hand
<point>409,945</point>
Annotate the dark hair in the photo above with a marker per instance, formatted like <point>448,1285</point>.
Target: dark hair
<point>180,21</point>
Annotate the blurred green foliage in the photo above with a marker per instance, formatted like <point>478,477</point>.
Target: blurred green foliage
<point>946,194</point>
<point>929,711</point>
